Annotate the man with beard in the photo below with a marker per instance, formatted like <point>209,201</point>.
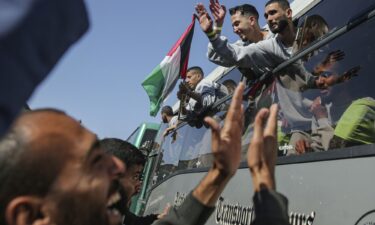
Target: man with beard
<point>68,179</point>
<point>263,54</point>
<point>53,171</point>
<point>134,161</point>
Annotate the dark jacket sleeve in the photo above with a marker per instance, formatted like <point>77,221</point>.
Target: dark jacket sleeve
<point>271,208</point>
<point>131,219</point>
<point>34,34</point>
<point>191,212</point>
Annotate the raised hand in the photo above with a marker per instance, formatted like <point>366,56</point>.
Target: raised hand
<point>331,59</point>
<point>204,18</point>
<point>218,12</point>
<point>262,152</point>
<point>334,57</point>
<point>352,72</point>
<point>226,142</point>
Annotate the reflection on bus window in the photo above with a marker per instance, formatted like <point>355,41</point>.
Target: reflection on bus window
<point>315,120</point>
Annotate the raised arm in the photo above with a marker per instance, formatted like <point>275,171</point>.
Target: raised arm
<point>267,52</point>
<point>262,153</point>
<point>270,206</point>
<point>226,150</point>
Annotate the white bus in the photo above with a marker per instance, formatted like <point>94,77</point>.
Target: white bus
<point>331,181</point>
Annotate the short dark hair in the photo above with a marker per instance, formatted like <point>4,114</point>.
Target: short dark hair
<point>167,110</point>
<point>245,9</point>
<point>126,152</point>
<point>283,3</point>
<point>196,69</point>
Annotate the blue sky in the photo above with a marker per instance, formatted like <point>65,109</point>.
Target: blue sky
<point>99,79</point>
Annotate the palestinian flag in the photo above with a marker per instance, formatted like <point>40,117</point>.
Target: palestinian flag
<point>161,81</point>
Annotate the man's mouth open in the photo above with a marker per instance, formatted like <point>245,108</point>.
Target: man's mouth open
<point>116,204</point>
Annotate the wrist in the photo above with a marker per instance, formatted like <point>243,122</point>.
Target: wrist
<point>221,174</point>
<point>210,188</point>
<point>211,34</point>
<point>218,28</point>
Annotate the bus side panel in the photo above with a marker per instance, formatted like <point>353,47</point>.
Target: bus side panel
<point>326,192</point>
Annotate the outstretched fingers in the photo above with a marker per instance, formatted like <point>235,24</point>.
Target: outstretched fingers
<point>271,121</point>
<point>200,9</point>
<point>215,128</point>
<point>235,112</point>
<point>270,139</point>
<point>255,151</point>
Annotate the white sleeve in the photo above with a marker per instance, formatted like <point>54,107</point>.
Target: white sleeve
<point>216,58</point>
<point>244,56</point>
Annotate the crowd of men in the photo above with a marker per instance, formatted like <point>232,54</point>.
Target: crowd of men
<point>307,123</point>
<point>55,171</point>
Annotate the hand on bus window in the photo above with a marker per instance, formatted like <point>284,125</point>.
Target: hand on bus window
<point>262,152</point>
<point>165,211</point>
<point>226,142</point>
<point>302,146</point>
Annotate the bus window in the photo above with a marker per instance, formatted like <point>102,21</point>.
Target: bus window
<point>145,132</point>
<point>234,75</point>
<point>326,98</point>
<point>170,151</point>
<point>149,135</point>
<point>344,11</point>
<point>192,148</point>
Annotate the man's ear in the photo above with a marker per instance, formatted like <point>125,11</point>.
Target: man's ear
<point>252,20</point>
<point>289,13</point>
<point>25,210</point>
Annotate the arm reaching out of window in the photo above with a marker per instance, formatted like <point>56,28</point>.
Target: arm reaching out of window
<point>226,149</point>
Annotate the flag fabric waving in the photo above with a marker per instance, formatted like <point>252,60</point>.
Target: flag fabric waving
<point>161,81</point>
